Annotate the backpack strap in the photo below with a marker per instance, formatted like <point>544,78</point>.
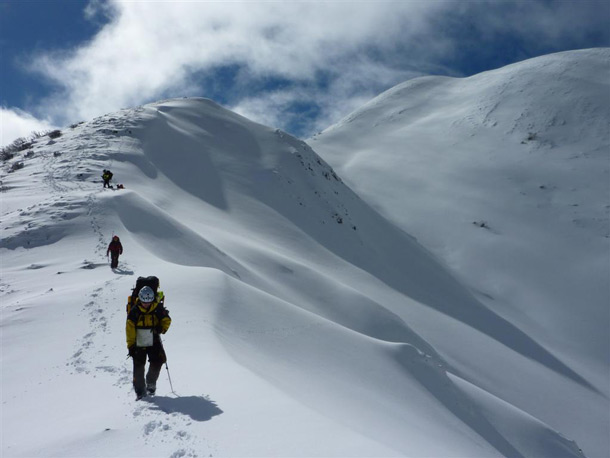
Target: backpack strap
<point>130,303</point>
<point>133,314</point>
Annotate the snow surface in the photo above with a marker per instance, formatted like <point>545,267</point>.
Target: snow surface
<point>306,321</point>
<point>505,177</point>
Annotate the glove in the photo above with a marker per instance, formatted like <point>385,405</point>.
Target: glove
<point>132,351</point>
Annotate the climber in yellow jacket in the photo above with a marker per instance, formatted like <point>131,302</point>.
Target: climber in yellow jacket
<point>146,320</point>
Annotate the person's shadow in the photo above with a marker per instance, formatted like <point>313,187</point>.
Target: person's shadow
<point>118,270</point>
<point>197,407</point>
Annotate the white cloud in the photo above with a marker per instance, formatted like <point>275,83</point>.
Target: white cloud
<point>15,123</point>
<point>152,50</point>
<point>99,11</point>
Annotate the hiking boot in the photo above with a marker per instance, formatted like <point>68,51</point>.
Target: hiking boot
<point>151,389</point>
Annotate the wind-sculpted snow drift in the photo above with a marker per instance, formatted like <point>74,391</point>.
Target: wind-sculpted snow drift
<point>290,300</point>
<point>505,176</point>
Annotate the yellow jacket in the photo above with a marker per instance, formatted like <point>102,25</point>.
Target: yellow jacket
<point>155,317</point>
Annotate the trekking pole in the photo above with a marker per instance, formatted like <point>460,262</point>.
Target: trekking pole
<point>167,367</point>
<point>170,379</point>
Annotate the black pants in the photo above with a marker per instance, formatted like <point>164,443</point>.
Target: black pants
<point>156,358</point>
<point>107,184</point>
<point>114,260</point>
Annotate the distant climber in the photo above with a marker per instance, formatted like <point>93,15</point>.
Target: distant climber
<point>147,318</point>
<point>115,248</point>
<point>107,176</point>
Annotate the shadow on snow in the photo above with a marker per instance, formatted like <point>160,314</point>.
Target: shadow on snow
<point>199,408</point>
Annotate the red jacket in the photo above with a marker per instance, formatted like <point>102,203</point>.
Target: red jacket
<point>115,247</point>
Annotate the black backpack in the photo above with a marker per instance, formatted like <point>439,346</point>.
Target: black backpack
<point>141,282</point>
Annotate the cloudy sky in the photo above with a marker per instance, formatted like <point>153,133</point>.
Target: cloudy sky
<point>296,65</point>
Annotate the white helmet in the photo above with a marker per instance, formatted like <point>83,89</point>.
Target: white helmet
<point>146,294</point>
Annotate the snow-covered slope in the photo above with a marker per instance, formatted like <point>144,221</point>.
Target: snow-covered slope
<point>505,177</point>
<point>301,317</point>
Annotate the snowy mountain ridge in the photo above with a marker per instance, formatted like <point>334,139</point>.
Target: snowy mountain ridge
<point>505,176</point>
<point>304,323</point>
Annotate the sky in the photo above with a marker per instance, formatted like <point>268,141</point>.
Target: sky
<point>298,66</point>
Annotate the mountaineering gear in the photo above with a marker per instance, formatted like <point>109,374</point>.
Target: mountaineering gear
<point>147,317</point>
<point>144,338</point>
<point>151,281</point>
<point>169,377</point>
<point>115,249</point>
<point>154,318</point>
<point>146,294</point>
<point>107,176</point>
